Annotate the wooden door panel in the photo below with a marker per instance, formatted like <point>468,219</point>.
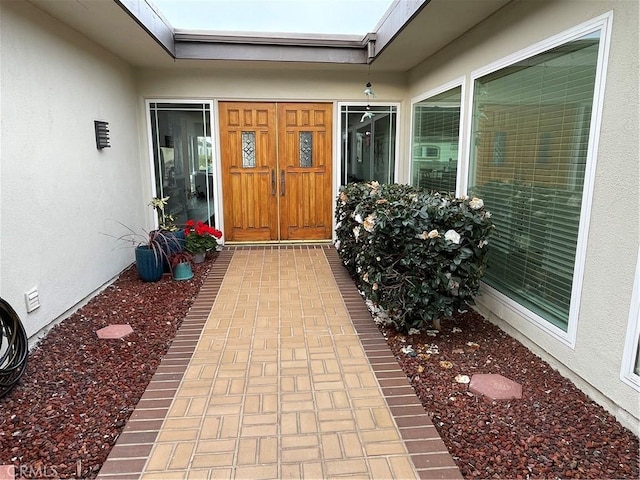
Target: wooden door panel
<point>305,203</point>
<point>285,193</point>
<point>250,205</point>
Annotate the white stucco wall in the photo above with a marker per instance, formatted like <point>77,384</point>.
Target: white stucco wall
<point>595,360</point>
<point>57,191</point>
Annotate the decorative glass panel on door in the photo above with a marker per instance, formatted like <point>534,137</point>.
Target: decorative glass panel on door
<point>183,159</point>
<point>249,149</point>
<point>306,149</point>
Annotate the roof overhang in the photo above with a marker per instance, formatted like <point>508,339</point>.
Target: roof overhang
<point>135,30</point>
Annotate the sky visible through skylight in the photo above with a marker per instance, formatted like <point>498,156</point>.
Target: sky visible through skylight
<point>351,17</point>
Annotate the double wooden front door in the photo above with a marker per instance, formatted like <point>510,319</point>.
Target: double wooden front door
<point>276,171</point>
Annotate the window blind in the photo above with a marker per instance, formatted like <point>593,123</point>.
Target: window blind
<point>530,135</point>
<point>436,129</point>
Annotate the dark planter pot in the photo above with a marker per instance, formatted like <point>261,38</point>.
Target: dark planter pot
<point>173,242</point>
<point>149,264</point>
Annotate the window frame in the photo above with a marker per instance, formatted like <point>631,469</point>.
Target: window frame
<point>601,23</point>
<point>462,153</point>
<point>215,157</point>
<point>338,137</point>
<point>632,339</point>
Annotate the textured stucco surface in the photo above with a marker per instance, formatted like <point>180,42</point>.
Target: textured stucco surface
<point>57,190</point>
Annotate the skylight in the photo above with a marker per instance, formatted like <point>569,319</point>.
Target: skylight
<point>344,17</point>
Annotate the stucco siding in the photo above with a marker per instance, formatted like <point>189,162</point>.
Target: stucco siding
<point>594,361</point>
<point>59,193</point>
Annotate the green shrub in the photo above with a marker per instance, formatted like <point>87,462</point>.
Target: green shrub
<point>417,255</point>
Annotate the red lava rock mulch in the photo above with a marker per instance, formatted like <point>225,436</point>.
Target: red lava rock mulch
<point>78,391</point>
<point>555,431</point>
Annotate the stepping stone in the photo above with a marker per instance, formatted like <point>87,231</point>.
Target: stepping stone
<point>114,331</point>
<point>494,386</point>
<point>7,472</point>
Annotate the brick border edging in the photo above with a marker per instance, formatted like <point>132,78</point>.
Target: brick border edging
<point>424,444</point>
<point>129,455</point>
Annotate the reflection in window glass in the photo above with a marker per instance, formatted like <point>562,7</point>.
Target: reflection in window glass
<point>368,143</point>
<point>183,159</point>
<point>530,137</point>
<point>436,129</point>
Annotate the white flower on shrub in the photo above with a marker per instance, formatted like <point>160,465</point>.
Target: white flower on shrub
<point>356,233</point>
<point>338,243</point>
<point>452,236</point>
<point>369,223</point>
<point>445,203</point>
<point>422,236</point>
<point>482,243</point>
<point>487,214</point>
<point>377,259</point>
<point>358,218</point>
<point>365,277</point>
<point>375,286</point>
<point>476,203</point>
<point>433,234</point>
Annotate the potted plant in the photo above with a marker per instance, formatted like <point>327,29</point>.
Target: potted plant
<point>152,255</point>
<point>153,249</point>
<point>181,265</point>
<point>166,225</point>
<point>200,238</point>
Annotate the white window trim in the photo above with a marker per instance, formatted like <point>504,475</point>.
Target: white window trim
<point>602,23</point>
<point>627,375</point>
<point>458,82</point>
<point>215,151</point>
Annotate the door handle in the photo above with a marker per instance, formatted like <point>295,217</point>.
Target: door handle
<point>282,183</point>
<point>273,182</point>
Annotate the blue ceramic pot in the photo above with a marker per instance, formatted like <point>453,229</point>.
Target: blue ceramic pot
<point>149,264</point>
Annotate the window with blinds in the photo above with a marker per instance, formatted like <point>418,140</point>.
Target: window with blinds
<point>530,134</point>
<point>436,129</point>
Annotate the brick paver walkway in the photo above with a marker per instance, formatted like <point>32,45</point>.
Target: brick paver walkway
<point>279,372</point>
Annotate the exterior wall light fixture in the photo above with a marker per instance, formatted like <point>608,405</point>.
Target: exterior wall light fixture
<point>102,134</point>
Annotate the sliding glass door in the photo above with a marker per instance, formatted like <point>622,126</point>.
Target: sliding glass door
<point>183,159</point>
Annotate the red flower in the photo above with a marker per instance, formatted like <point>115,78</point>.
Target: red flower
<point>200,236</point>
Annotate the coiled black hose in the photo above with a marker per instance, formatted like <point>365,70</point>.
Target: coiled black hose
<point>14,348</point>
